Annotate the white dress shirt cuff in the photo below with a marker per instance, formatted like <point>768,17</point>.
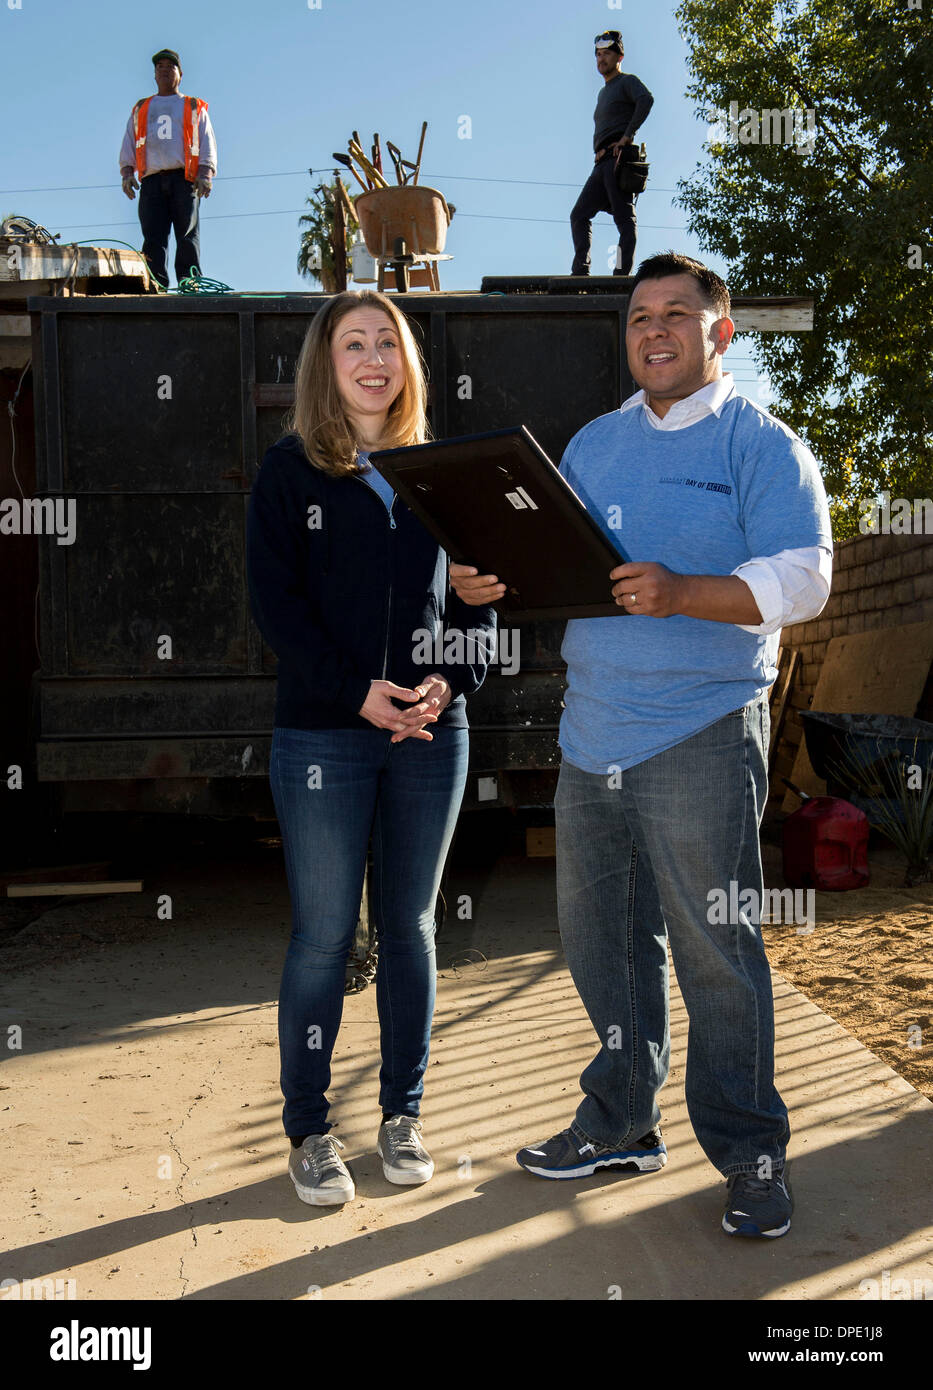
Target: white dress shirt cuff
<point>767,593</point>
<point>788,588</point>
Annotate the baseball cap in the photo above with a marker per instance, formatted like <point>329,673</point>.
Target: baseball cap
<point>166,53</point>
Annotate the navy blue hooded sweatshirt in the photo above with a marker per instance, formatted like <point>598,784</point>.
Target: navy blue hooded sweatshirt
<point>340,587</point>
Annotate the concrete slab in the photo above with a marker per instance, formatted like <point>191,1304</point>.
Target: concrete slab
<point>145,1157</point>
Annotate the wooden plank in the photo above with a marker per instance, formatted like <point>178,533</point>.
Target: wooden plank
<point>775,314</point>
<point>56,873</point>
<point>15,340</point>
<point>58,890</point>
<point>879,672</point>
<point>16,292</point>
<point>14,353</point>
<point>540,842</point>
<point>46,261</point>
<point>788,662</point>
<point>793,733</point>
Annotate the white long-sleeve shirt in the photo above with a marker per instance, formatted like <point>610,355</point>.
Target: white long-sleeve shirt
<point>164,146</point>
<point>789,587</point>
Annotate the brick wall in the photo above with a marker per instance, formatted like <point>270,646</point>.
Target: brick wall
<point>878,581</point>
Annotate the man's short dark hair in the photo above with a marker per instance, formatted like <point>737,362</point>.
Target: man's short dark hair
<point>714,290</point>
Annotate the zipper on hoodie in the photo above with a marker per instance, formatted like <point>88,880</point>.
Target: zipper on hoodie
<point>393,527</point>
<point>385,655</point>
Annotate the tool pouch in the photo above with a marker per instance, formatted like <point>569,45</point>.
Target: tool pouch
<point>631,169</point>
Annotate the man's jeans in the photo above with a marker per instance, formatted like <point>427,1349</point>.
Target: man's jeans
<point>638,852</point>
<point>333,788</point>
<point>601,193</point>
<point>167,200</point>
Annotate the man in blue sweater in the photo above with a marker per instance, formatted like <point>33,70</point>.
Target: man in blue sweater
<point>664,741</point>
<point>621,106</point>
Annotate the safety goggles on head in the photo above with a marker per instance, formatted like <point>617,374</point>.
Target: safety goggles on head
<point>610,38</point>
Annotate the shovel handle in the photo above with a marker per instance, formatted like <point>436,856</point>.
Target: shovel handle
<point>424,131</point>
<point>367,166</point>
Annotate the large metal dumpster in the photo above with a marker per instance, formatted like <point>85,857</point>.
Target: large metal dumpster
<point>152,415</point>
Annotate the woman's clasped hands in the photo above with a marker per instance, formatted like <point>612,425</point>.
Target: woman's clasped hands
<point>433,696</point>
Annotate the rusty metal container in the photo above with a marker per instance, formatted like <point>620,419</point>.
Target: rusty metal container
<point>160,485</point>
<point>418,214</point>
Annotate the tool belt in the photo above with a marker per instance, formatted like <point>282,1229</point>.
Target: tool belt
<point>630,167</point>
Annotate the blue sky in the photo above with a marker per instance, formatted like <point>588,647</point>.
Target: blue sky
<point>287,83</point>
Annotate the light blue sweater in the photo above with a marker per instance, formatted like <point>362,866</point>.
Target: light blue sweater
<point>700,500</point>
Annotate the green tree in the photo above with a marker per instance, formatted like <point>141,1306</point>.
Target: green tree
<point>316,252</point>
<point>846,219</point>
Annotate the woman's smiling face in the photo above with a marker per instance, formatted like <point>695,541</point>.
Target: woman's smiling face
<point>368,366</point>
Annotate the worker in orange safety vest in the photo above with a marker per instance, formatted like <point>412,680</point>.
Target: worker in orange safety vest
<point>169,145</point>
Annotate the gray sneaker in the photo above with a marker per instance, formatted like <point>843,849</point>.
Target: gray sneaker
<point>318,1172</point>
<point>404,1158</point>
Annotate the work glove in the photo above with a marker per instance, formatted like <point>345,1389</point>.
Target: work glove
<point>129,184</point>
<point>203,186</point>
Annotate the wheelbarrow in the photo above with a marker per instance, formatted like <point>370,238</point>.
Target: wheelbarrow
<point>405,226</point>
<point>854,752</point>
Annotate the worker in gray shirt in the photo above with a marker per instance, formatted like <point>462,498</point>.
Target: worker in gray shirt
<point>169,147</point>
<point>621,106</point>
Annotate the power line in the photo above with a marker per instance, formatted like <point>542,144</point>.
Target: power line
<point>559,221</point>
<point>84,187</point>
<point>294,173</point>
<point>289,212</point>
<point>528,183</point>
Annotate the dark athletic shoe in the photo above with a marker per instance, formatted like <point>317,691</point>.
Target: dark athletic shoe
<point>757,1206</point>
<point>568,1156</point>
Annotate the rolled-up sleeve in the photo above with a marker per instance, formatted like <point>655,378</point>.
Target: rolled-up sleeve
<point>790,587</point>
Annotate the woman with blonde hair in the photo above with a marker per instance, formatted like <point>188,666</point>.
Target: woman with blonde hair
<point>344,580</point>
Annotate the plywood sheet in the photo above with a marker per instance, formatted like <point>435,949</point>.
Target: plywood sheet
<point>879,672</point>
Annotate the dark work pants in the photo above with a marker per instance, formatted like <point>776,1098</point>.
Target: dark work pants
<point>167,201</point>
<point>602,194</point>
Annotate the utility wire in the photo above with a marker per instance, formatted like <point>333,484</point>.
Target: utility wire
<point>289,212</point>
<point>560,221</point>
<point>293,173</point>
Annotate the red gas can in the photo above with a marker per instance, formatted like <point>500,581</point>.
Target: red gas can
<point>826,845</point>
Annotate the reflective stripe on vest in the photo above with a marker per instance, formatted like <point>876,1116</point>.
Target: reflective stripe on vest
<point>190,134</point>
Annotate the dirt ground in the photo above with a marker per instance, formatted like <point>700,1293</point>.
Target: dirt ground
<point>146,1159</point>
<point>868,963</point>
